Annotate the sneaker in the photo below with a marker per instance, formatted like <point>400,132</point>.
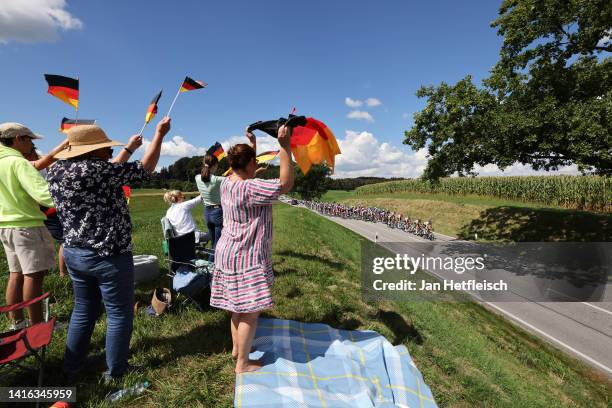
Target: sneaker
<point>22,324</point>
<point>107,378</point>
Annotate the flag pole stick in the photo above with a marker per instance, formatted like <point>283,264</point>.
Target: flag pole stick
<point>76,120</point>
<point>142,129</point>
<point>172,105</point>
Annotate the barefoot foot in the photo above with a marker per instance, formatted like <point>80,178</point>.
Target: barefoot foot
<point>252,365</point>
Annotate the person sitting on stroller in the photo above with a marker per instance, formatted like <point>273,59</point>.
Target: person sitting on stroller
<point>179,214</point>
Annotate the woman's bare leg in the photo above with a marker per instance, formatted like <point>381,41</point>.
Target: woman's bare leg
<point>246,331</point>
<point>234,325</point>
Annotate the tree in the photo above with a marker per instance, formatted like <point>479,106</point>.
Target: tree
<point>547,102</point>
<point>314,184</point>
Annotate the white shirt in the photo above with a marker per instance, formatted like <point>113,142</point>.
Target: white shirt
<point>179,215</point>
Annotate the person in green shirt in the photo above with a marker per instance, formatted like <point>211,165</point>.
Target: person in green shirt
<point>208,185</point>
<point>27,243</point>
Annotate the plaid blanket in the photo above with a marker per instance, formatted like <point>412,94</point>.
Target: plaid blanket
<point>315,365</point>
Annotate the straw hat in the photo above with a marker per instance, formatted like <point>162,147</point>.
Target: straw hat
<point>84,139</point>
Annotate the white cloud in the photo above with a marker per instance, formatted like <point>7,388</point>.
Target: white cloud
<point>34,20</point>
<point>405,115</point>
<point>360,115</point>
<point>371,102</point>
<point>177,147</point>
<point>352,103</point>
<point>364,155</point>
<point>264,143</point>
<point>518,169</point>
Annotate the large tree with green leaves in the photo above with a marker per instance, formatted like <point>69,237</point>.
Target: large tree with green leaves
<point>314,184</point>
<point>547,102</point>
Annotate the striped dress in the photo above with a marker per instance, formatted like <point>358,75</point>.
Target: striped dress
<point>243,277</point>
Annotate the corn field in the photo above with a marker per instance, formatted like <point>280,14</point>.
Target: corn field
<point>593,193</point>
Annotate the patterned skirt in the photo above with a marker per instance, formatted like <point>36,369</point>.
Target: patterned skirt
<point>247,291</point>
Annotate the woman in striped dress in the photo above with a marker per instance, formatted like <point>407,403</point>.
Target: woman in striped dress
<point>242,281</point>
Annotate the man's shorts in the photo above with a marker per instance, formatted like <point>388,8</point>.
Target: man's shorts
<point>28,250</point>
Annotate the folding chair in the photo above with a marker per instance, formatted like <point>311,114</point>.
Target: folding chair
<point>17,345</point>
<point>168,232</point>
<point>189,274</point>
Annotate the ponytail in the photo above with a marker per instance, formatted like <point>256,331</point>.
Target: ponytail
<point>207,163</point>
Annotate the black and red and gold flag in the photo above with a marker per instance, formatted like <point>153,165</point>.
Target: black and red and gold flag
<point>152,109</point>
<point>217,151</point>
<point>267,156</point>
<point>64,88</point>
<point>70,123</point>
<point>191,85</point>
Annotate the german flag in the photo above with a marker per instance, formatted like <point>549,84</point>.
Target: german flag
<point>267,156</point>
<point>217,151</point>
<point>152,109</point>
<point>191,85</point>
<point>314,143</point>
<point>64,88</point>
<point>70,123</point>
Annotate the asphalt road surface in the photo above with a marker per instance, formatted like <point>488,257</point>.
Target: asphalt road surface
<point>582,329</point>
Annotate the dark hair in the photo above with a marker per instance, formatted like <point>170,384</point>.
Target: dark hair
<point>7,142</point>
<point>207,163</point>
<point>240,155</point>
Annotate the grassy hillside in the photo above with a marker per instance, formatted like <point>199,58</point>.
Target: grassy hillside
<point>469,356</point>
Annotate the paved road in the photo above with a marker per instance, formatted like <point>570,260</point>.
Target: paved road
<point>582,329</point>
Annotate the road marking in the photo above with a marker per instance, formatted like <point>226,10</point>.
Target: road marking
<point>554,339</point>
<point>597,307</point>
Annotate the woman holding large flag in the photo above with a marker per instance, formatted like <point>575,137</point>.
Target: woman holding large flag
<point>242,281</point>
<point>87,190</point>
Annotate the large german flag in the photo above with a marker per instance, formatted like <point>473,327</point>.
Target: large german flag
<point>314,143</point>
<point>70,123</point>
<point>152,109</point>
<point>64,88</point>
<point>191,84</point>
<point>267,156</point>
<point>217,151</point>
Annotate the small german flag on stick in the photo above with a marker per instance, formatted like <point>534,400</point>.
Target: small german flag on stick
<point>187,85</point>
<point>151,111</point>
<point>64,88</point>
<point>70,123</point>
<point>217,151</point>
<point>191,85</point>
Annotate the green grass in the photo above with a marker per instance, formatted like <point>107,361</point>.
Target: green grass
<point>491,219</point>
<point>469,356</point>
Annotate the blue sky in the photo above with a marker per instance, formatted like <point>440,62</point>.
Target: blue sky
<point>259,58</point>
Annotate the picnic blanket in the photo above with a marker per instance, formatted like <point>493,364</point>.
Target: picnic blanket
<point>315,365</point>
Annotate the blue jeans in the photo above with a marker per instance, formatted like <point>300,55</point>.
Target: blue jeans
<point>214,223</point>
<point>95,279</point>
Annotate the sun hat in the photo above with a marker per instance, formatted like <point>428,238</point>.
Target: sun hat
<point>10,130</point>
<point>84,139</point>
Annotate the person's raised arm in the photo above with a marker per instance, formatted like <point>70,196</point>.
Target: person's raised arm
<point>132,145</point>
<point>252,140</point>
<point>49,159</point>
<point>151,156</point>
<point>286,164</point>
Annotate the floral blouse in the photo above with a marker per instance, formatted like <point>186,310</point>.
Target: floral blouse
<point>91,205</point>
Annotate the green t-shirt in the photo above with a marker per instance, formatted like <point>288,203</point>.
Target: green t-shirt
<point>210,191</point>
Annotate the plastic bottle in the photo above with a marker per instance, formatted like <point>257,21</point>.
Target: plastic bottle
<point>128,392</point>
